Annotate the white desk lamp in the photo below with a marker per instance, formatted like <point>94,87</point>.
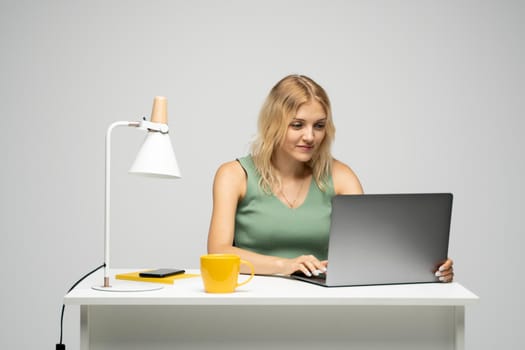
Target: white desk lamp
<point>155,158</point>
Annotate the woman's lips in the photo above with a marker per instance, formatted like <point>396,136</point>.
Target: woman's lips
<point>305,148</point>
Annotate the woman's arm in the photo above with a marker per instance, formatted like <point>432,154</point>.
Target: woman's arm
<point>229,187</point>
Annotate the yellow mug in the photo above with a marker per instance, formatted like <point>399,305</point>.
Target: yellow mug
<point>220,272</point>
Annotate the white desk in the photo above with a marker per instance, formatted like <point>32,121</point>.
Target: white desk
<point>273,313</point>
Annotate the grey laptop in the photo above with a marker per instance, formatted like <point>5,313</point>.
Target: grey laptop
<point>386,239</point>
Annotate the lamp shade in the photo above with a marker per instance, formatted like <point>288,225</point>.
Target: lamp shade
<point>156,157</point>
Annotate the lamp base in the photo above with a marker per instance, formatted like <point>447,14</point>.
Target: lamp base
<point>128,287</point>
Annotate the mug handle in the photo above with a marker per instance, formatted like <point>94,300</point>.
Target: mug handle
<point>252,272</point>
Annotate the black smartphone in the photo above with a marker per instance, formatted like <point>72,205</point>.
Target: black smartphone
<point>159,273</point>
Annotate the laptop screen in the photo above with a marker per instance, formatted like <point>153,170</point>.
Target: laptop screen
<point>388,238</point>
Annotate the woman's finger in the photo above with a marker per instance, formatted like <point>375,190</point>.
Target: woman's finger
<point>447,265</point>
<point>312,266</point>
<point>305,270</point>
<point>447,278</point>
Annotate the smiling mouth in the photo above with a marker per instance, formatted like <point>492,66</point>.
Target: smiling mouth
<point>305,148</point>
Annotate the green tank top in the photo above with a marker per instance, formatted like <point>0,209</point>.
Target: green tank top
<point>265,225</point>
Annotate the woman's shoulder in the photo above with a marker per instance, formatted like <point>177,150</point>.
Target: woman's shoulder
<point>231,169</point>
<point>230,178</point>
<point>339,166</point>
<point>345,180</point>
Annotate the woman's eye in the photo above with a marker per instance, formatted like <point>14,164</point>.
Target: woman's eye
<point>320,126</point>
<point>296,125</point>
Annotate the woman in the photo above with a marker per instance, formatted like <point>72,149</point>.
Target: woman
<point>273,207</point>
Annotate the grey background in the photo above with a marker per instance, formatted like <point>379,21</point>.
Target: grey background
<point>427,96</point>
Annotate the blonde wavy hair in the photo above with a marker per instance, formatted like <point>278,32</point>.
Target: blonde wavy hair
<point>280,107</point>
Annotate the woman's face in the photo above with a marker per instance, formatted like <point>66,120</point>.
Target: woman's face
<point>305,133</point>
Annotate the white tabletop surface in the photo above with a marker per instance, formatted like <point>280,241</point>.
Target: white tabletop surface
<point>271,290</point>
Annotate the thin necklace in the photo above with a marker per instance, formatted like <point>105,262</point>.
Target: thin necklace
<point>292,203</point>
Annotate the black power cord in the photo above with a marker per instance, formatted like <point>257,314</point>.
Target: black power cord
<point>61,346</point>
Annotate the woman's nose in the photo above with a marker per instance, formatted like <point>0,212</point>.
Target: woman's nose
<point>308,134</point>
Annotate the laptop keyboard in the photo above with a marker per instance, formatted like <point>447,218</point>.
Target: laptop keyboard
<point>320,277</point>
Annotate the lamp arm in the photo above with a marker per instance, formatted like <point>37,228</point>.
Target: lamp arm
<point>144,125</point>
<point>107,201</point>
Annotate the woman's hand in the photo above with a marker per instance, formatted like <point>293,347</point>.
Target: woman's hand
<point>446,271</point>
<point>307,264</point>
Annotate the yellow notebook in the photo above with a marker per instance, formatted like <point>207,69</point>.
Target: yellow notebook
<point>134,276</point>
